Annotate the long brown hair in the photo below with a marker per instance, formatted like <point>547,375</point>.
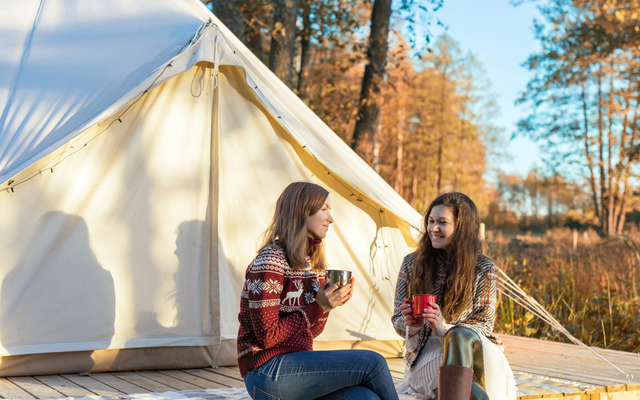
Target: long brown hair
<point>459,261</point>
<point>296,204</point>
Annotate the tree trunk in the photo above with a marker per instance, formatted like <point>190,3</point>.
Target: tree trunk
<point>439,151</point>
<point>226,12</point>
<point>587,150</point>
<point>604,196</point>
<point>376,149</point>
<point>626,171</point>
<point>368,109</point>
<point>441,131</point>
<point>414,185</point>
<point>305,51</point>
<point>611,184</point>
<point>426,199</point>
<point>283,39</point>
<point>399,149</point>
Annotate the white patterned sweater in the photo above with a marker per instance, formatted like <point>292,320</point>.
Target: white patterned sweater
<point>278,311</point>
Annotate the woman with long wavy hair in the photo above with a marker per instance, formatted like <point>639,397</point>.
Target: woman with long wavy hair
<point>451,353</point>
<point>283,307</point>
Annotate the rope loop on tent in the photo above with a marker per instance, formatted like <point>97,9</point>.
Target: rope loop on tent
<point>199,32</point>
<point>213,78</point>
<point>509,288</point>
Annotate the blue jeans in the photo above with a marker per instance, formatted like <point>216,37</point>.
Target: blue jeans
<point>326,375</point>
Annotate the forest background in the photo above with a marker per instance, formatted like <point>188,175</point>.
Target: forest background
<point>423,117</point>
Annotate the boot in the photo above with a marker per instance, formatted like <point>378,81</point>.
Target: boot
<point>478,393</point>
<point>454,382</point>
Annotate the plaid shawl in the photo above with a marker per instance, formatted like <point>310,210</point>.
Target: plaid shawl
<point>479,314</point>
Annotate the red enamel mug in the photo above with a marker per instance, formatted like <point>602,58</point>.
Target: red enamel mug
<point>419,303</point>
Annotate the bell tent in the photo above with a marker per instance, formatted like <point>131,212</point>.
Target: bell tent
<point>142,149</point>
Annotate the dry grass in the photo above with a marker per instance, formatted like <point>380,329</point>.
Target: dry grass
<point>592,289</point>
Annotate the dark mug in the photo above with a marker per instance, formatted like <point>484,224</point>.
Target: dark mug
<point>419,303</point>
<point>337,276</point>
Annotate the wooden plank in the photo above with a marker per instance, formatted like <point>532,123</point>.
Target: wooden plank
<point>226,371</point>
<point>570,351</point>
<point>9,390</point>
<point>590,377</point>
<point>215,378</point>
<point>555,362</point>
<point>192,379</point>
<point>568,361</point>
<point>64,386</point>
<point>34,387</point>
<point>144,382</point>
<point>586,378</point>
<point>635,395</point>
<point>595,394</point>
<point>239,382</point>
<point>170,381</point>
<point>93,385</point>
<point>574,358</point>
<point>396,366</point>
<point>118,384</point>
<point>549,397</point>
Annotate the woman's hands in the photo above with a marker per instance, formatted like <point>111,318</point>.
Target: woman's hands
<point>413,323</point>
<point>435,318</point>
<point>331,297</point>
<point>432,315</point>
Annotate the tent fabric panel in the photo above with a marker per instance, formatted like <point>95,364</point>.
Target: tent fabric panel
<point>107,360</point>
<point>256,163</point>
<point>90,58</point>
<point>111,250</point>
<point>319,141</point>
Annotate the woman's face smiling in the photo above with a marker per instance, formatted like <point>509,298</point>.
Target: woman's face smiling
<point>318,223</point>
<point>441,226</point>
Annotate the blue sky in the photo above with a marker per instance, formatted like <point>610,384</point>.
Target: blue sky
<point>501,37</point>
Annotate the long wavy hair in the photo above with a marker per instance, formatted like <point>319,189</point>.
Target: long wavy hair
<point>459,260</point>
<point>296,204</point>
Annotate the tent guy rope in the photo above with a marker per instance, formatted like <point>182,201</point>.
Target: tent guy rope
<point>509,288</point>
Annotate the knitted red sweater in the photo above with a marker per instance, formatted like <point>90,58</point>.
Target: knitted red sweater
<point>278,311</point>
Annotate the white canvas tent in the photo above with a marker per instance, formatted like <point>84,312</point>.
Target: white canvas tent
<point>142,149</point>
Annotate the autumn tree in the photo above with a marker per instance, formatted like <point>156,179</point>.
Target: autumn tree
<point>248,20</point>
<point>368,109</point>
<point>283,39</point>
<point>539,201</point>
<point>376,60</point>
<point>584,95</point>
<point>431,138</point>
<point>327,31</point>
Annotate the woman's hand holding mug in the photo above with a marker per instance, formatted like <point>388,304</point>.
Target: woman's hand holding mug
<point>330,297</point>
<point>421,309</point>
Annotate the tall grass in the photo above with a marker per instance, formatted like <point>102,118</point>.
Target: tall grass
<point>592,289</point>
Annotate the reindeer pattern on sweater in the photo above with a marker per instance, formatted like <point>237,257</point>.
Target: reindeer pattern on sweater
<point>278,311</point>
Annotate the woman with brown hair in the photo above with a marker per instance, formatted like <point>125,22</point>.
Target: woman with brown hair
<point>451,353</point>
<point>283,306</point>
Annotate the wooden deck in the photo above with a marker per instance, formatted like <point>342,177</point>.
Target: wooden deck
<point>528,357</point>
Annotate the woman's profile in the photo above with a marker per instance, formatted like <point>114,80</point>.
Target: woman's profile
<point>283,306</point>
